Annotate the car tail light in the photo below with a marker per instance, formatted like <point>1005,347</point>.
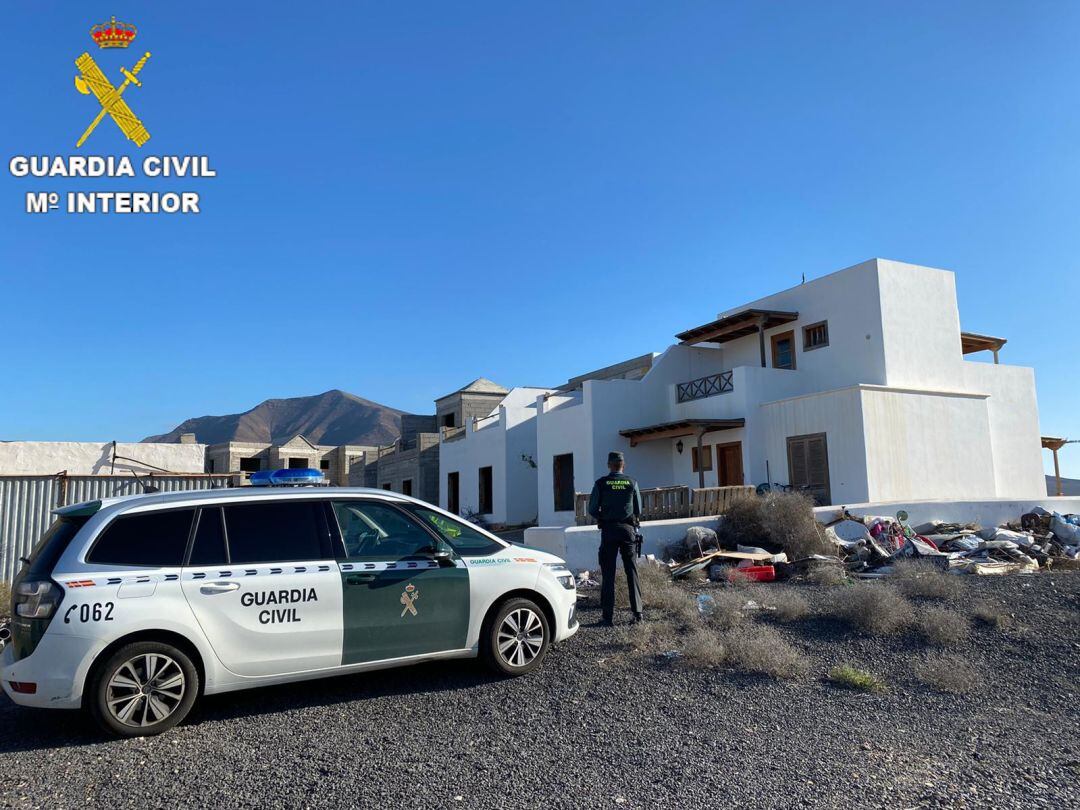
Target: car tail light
<point>37,599</point>
<point>23,687</point>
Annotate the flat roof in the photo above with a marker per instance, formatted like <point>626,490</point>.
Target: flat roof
<point>735,326</point>
<point>683,427</point>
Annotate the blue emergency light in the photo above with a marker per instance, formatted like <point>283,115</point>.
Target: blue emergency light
<point>286,478</point>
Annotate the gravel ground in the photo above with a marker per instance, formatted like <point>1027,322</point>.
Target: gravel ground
<point>597,727</point>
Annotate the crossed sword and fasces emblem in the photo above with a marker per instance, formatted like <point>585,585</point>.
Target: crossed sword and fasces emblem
<point>93,81</point>
<point>408,598</point>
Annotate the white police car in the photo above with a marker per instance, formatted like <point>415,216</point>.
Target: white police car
<point>133,607</point>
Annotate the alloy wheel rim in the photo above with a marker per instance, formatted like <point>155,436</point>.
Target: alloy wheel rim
<point>145,690</point>
<point>521,637</point>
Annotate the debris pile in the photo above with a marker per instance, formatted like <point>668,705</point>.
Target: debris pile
<point>869,545</point>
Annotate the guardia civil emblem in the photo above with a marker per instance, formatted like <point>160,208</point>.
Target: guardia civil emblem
<point>408,599</point>
<point>91,79</point>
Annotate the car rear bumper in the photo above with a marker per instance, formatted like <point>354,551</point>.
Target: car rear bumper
<point>57,669</point>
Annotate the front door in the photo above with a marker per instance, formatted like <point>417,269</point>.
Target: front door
<point>729,470</point>
<point>263,584</point>
<point>398,601</point>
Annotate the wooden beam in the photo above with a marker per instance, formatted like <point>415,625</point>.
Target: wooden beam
<point>761,339</point>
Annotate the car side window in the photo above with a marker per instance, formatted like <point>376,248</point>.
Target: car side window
<point>209,545</point>
<point>275,531</point>
<point>462,537</point>
<point>157,539</point>
<point>376,531</point>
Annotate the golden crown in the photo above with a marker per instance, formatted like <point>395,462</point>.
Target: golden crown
<point>113,34</point>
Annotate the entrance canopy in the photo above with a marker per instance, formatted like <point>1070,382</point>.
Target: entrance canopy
<point>971,342</point>
<point>735,326</point>
<point>684,427</point>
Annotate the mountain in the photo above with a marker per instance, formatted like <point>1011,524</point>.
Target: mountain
<point>333,418</point>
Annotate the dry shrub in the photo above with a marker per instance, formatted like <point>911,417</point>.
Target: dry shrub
<point>659,592</point>
<point>992,615</point>
<point>725,610</point>
<point>854,678</point>
<point>762,651</point>
<point>784,519</point>
<point>924,579</point>
<point>703,648</point>
<point>649,638</point>
<point>872,608</point>
<point>946,673</point>
<point>942,627</point>
<point>828,575</point>
<point>5,600</point>
<point>787,606</point>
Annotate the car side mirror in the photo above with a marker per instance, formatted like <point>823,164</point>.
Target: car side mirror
<point>442,555</point>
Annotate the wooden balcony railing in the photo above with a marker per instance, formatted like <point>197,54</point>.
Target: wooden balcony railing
<point>665,503</point>
<point>705,387</point>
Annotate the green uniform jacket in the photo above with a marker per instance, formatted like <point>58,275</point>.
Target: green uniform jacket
<point>615,498</point>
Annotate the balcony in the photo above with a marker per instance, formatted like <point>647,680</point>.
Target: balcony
<point>704,387</point>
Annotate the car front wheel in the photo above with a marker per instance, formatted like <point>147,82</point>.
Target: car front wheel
<point>516,639</point>
<point>143,689</point>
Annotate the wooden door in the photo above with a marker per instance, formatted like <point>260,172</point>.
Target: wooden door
<point>729,470</point>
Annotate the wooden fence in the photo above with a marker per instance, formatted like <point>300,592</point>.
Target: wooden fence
<point>665,503</point>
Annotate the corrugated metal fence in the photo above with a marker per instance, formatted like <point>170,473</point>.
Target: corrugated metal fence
<point>27,500</point>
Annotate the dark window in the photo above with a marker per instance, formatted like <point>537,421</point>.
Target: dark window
<point>448,420</point>
<point>299,463</point>
<point>387,487</point>
<point>462,537</point>
<point>453,493</point>
<point>808,466</point>
<point>703,461</point>
<point>379,531</point>
<point>209,545</point>
<point>47,551</point>
<point>485,496</point>
<point>251,464</point>
<point>783,350</point>
<point>211,466</point>
<point>151,538</point>
<point>324,464</point>
<point>563,474</point>
<point>815,335</point>
<point>406,487</point>
<point>279,531</point>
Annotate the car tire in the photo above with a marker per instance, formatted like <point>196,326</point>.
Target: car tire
<point>142,689</point>
<point>516,637</point>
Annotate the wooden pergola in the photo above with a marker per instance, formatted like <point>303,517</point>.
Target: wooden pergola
<point>736,326</point>
<point>684,427</point>
<point>971,342</point>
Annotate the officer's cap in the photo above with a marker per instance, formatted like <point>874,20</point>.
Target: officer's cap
<point>614,457</point>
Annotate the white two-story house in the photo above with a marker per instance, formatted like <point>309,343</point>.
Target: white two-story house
<point>854,386</point>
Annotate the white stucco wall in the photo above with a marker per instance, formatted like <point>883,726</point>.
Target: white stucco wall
<point>93,458</point>
<point>926,445</point>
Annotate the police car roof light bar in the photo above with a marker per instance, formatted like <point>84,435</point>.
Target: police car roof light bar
<point>287,478</point>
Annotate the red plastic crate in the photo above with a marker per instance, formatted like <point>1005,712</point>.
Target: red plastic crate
<point>761,573</point>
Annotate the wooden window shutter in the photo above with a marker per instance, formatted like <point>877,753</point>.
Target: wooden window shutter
<point>797,462</point>
<point>817,465</point>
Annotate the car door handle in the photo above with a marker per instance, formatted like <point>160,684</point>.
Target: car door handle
<point>211,588</point>
<point>359,579</point>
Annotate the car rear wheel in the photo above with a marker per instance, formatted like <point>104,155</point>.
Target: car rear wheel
<point>517,637</point>
<point>143,689</point>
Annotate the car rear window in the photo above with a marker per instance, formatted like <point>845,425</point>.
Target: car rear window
<point>276,531</point>
<point>149,539</point>
<point>53,544</point>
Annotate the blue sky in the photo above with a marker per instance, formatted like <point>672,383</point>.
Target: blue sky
<point>411,195</point>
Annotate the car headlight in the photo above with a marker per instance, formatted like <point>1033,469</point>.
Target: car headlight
<point>562,573</point>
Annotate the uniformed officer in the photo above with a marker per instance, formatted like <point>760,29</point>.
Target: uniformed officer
<point>615,504</point>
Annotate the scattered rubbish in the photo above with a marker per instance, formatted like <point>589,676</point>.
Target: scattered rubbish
<point>585,580</point>
<point>758,573</point>
<point>705,603</point>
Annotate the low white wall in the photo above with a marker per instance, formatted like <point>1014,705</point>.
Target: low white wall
<point>93,458</point>
<point>990,512</point>
<point>578,545</point>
